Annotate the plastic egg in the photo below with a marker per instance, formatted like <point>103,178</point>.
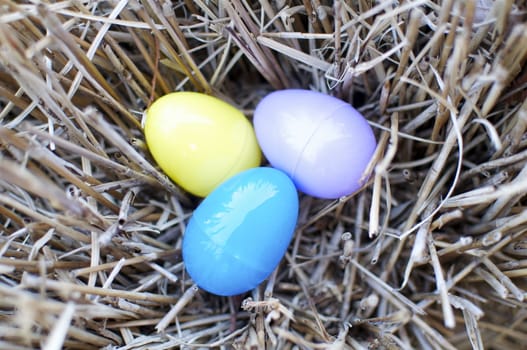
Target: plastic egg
<point>199,141</point>
<point>321,142</point>
<point>240,232</point>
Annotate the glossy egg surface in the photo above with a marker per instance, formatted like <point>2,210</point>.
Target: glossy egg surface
<point>321,142</point>
<point>240,232</point>
<point>199,140</point>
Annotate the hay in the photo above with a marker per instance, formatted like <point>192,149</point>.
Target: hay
<point>431,254</point>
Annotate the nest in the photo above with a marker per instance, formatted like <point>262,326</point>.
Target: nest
<point>430,254</point>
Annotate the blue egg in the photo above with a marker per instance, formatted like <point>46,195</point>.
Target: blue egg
<point>240,232</point>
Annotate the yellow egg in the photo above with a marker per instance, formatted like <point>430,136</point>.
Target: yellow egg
<point>199,141</point>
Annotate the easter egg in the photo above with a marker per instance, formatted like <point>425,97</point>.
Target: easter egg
<point>321,142</point>
<point>239,233</point>
<point>199,140</point>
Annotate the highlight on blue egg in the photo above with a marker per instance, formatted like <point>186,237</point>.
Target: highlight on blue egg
<point>240,232</point>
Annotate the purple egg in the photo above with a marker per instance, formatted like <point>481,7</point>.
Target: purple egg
<point>321,142</point>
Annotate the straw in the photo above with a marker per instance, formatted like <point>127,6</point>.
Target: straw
<point>430,253</point>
